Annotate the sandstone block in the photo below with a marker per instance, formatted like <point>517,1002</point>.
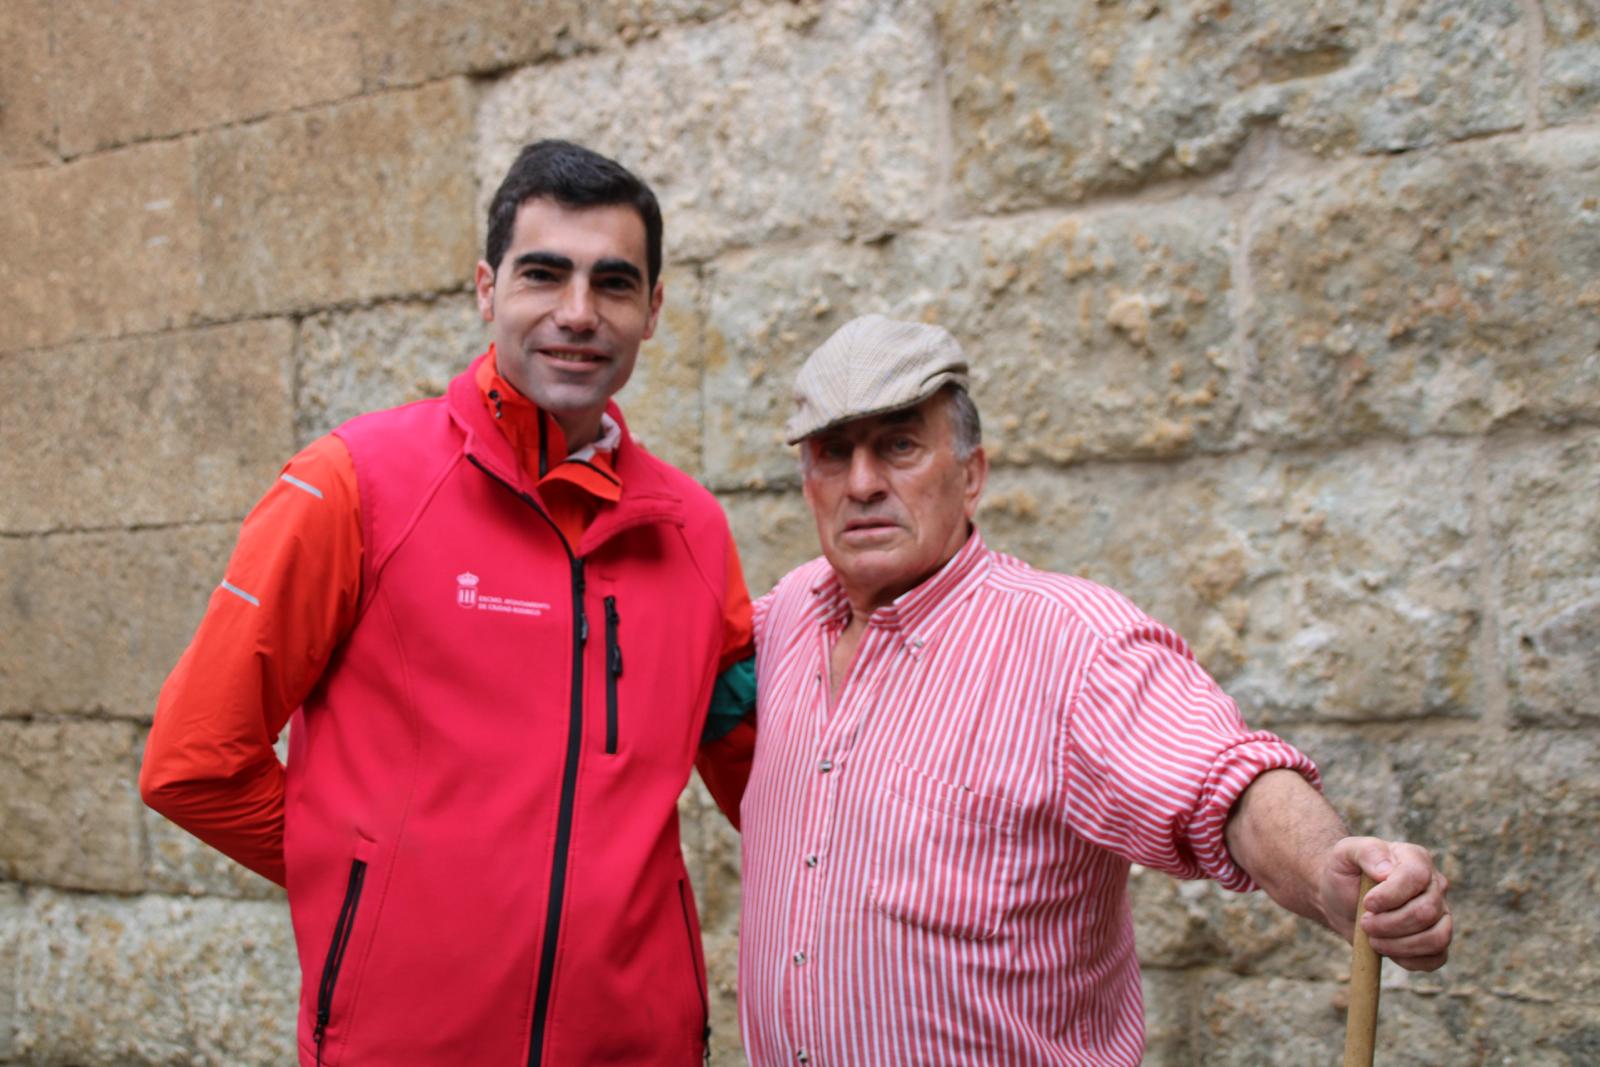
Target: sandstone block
<point>662,401</point>
<point>131,71</point>
<point>1314,589</point>
<point>352,362</point>
<point>1090,336</point>
<point>1056,101</point>
<point>789,122</point>
<point>156,980</point>
<point>711,856</point>
<point>27,125</point>
<point>173,428</point>
<point>722,969</point>
<point>1570,78</point>
<point>95,621</point>
<point>410,41</point>
<point>1546,526</point>
<point>12,916</point>
<point>102,246</point>
<point>349,202</point>
<point>1167,1022</point>
<point>71,807</point>
<point>1511,825</point>
<point>1404,298</point>
<point>775,534</point>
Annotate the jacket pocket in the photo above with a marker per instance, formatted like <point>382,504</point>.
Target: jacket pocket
<point>613,672</point>
<point>944,856</point>
<point>336,950</point>
<point>697,967</point>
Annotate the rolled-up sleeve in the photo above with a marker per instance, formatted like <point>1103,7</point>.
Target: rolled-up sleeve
<point>1156,755</point>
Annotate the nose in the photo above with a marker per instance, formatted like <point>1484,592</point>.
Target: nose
<point>865,479</point>
<point>576,312</point>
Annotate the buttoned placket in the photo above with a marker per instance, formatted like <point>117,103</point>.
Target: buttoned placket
<point>836,730</point>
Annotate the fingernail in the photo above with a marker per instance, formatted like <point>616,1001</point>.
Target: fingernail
<point>1382,867</point>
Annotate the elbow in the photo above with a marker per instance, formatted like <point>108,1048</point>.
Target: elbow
<point>160,786</point>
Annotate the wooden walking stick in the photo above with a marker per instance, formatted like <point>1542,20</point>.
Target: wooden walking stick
<point>1361,1024</point>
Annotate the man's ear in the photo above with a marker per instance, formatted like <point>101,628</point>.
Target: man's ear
<point>976,467</point>
<point>656,296</point>
<point>483,282</point>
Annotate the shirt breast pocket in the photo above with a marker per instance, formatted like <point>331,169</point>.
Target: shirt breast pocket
<point>944,856</point>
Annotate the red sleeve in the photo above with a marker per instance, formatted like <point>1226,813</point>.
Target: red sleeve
<point>724,764</point>
<point>287,600</point>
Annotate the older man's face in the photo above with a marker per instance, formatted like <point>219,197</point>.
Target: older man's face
<point>891,499</point>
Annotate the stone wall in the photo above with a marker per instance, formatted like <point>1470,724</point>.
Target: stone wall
<point>1288,323</point>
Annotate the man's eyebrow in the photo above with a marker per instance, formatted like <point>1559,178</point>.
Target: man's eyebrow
<point>541,259</point>
<point>903,416</point>
<point>618,265</point>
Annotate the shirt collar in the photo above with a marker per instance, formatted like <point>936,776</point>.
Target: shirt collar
<point>914,613</point>
<point>540,445</point>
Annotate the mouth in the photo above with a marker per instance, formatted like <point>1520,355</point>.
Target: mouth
<point>576,356</point>
<point>868,529</point>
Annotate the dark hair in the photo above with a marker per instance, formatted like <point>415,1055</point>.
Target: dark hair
<point>574,177</point>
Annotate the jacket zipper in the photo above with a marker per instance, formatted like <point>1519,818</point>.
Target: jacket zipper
<point>699,982</point>
<point>569,780</point>
<point>613,672</point>
<point>336,949</point>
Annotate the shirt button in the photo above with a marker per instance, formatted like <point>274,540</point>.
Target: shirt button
<point>811,860</point>
<point>799,959</point>
<point>825,766</point>
<point>801,1056</point>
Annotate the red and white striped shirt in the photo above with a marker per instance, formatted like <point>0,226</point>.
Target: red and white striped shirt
<point>935,870</point>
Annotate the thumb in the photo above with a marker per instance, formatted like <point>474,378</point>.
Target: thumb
<point>1372,856</point>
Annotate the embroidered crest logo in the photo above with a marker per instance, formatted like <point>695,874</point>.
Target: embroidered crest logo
<point>467,589</point>
<point>471,598</point>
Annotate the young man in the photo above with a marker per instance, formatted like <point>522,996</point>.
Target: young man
<point>497,624</point>
<point>960,756</point>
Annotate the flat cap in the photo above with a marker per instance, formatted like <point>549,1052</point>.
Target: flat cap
<point>869,366</point>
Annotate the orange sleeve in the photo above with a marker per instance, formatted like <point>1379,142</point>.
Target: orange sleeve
<point>287,600</point>
<point>724,763</point>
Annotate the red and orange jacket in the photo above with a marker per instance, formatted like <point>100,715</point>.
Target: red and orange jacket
<point>499,668</point>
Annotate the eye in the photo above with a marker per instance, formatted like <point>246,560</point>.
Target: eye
<point>539,274</point>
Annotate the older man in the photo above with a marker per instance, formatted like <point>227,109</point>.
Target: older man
<point>961,755</point>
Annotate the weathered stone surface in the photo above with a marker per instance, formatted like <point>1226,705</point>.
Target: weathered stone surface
<point>1545,501</point>
<point>103,246</point>
<point>409,41</point>
<point>156,981</point>
<point>27,125</point>
<point>662,401</point>
<point>70,802</point>
<point>775,534</point>
<point>1512,824</point>
<point>1090,336</point>
<point>722,965</point>
<point>1058,100</point>
<point>1570,78</point>
<point>348,202</point>
<point>1406,298</point>
<point>12,918</point>
<point>129,71</point>
<point>95,621</point>
<point>711,856</point>
<point>172,428</point>
<point>1167,1018</point>
<point>358,361</point>
<point>793,121</point>
<point>1327,587</point>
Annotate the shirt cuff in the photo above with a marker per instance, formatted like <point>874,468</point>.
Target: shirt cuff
<point>1231,774</point>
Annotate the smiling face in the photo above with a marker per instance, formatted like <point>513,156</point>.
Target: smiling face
<point>891,498</point>
<point>569,307</point>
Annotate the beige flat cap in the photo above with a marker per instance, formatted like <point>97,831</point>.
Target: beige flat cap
<point>869,366</point>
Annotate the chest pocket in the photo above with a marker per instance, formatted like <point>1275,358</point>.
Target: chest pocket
<point>944,857</point>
